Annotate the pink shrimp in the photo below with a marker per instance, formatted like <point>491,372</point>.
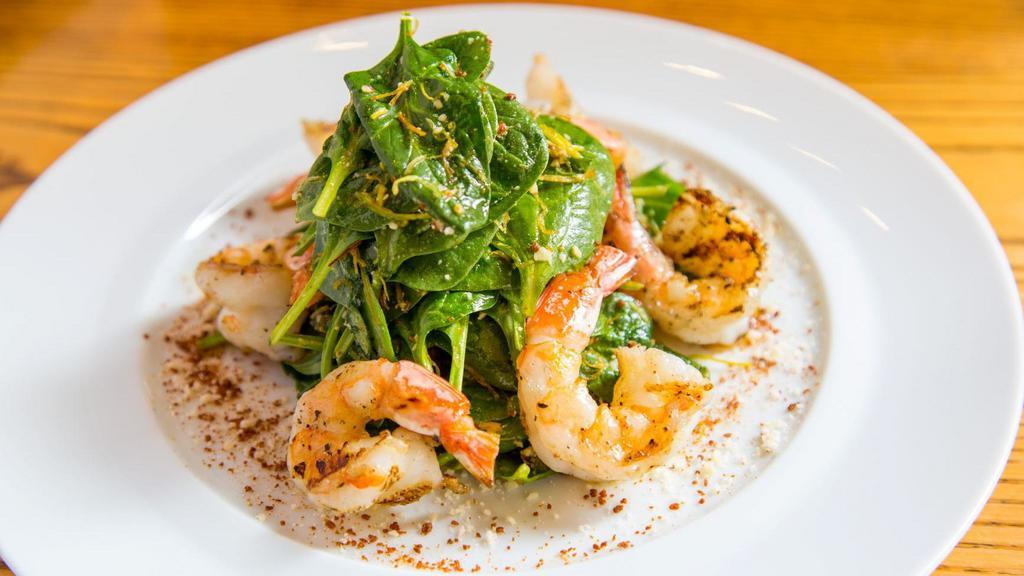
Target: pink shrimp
<point>340,465</point>
<point>284,197</point>
<point>568,429</point>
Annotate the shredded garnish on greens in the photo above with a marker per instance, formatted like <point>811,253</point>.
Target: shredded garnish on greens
<point>437,212</point>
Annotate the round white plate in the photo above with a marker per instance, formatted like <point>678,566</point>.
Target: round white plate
<point>910,429</point>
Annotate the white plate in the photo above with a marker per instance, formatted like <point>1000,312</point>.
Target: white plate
<point>914,419</point>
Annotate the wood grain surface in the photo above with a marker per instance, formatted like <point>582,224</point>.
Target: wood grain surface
<point>951,71</point>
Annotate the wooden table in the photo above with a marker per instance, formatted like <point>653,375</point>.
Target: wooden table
<point>952,72</point>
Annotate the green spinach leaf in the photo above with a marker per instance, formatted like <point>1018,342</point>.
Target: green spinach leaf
<point>520,152</point>
<point>487,356</point>
<point>513,468</point>
<point>305,372</point>
<point>443,270</point>
<point>432,130</point>
<point>364,202</point>
<point>623,321</point>
<point>472,52</point>
<point>341,155</point>
<point>492,272</point>
<point>556,228</point>
<point>510,317</point>
<point>654,193</point>
<point>396,245</point>
<point>442,310</point>
<point>513,435</point>
<point>344,286</point>
<point>486,405</point>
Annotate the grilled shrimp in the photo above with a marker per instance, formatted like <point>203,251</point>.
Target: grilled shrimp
<point>719,257</point>
<point>340,465</point>
<point>568,429</point>
<point>252,285</point>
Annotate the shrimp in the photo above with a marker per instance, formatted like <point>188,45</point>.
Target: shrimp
<point>339,465</point>
<point>284,197</point>
<point>252,285</point>
<point>711,299</point>
<point>569,431</point>
<point>301,266</point>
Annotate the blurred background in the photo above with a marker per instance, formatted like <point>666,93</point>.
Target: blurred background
<point>951,71</point>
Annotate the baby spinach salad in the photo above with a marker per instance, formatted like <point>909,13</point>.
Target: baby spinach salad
<point>436,213</point>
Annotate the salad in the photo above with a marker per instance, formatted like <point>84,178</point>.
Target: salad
<point>473,285</point>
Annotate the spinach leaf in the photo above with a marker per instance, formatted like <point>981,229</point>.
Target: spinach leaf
<point>396,245</point>
<point>401,299</point>
<point>341,155</point>
<point>211,340</point>
<point>556,228</point>
<point>305,372</point>
<point>432,130</point>
<point>486,405</point>
<point>622,321</point>
<point>458,335</point>
<point>487,356</point>
<point>442,310</point>
<point>513,435</point>
<point>344,286</point>
<point>492,272</point>
<point>520,152</point>
<point>375,319</point>
<point>443,270</point>
<point>364,202</point>
<point>655,192</point>
<point>512,321</point>
<point>330,245</point>
<point>472,52</point>
<point>331,337</point>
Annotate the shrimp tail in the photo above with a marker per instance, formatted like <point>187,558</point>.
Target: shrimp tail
<point>611,267</point>
<point>475,449</point>
<point>622,198</point>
